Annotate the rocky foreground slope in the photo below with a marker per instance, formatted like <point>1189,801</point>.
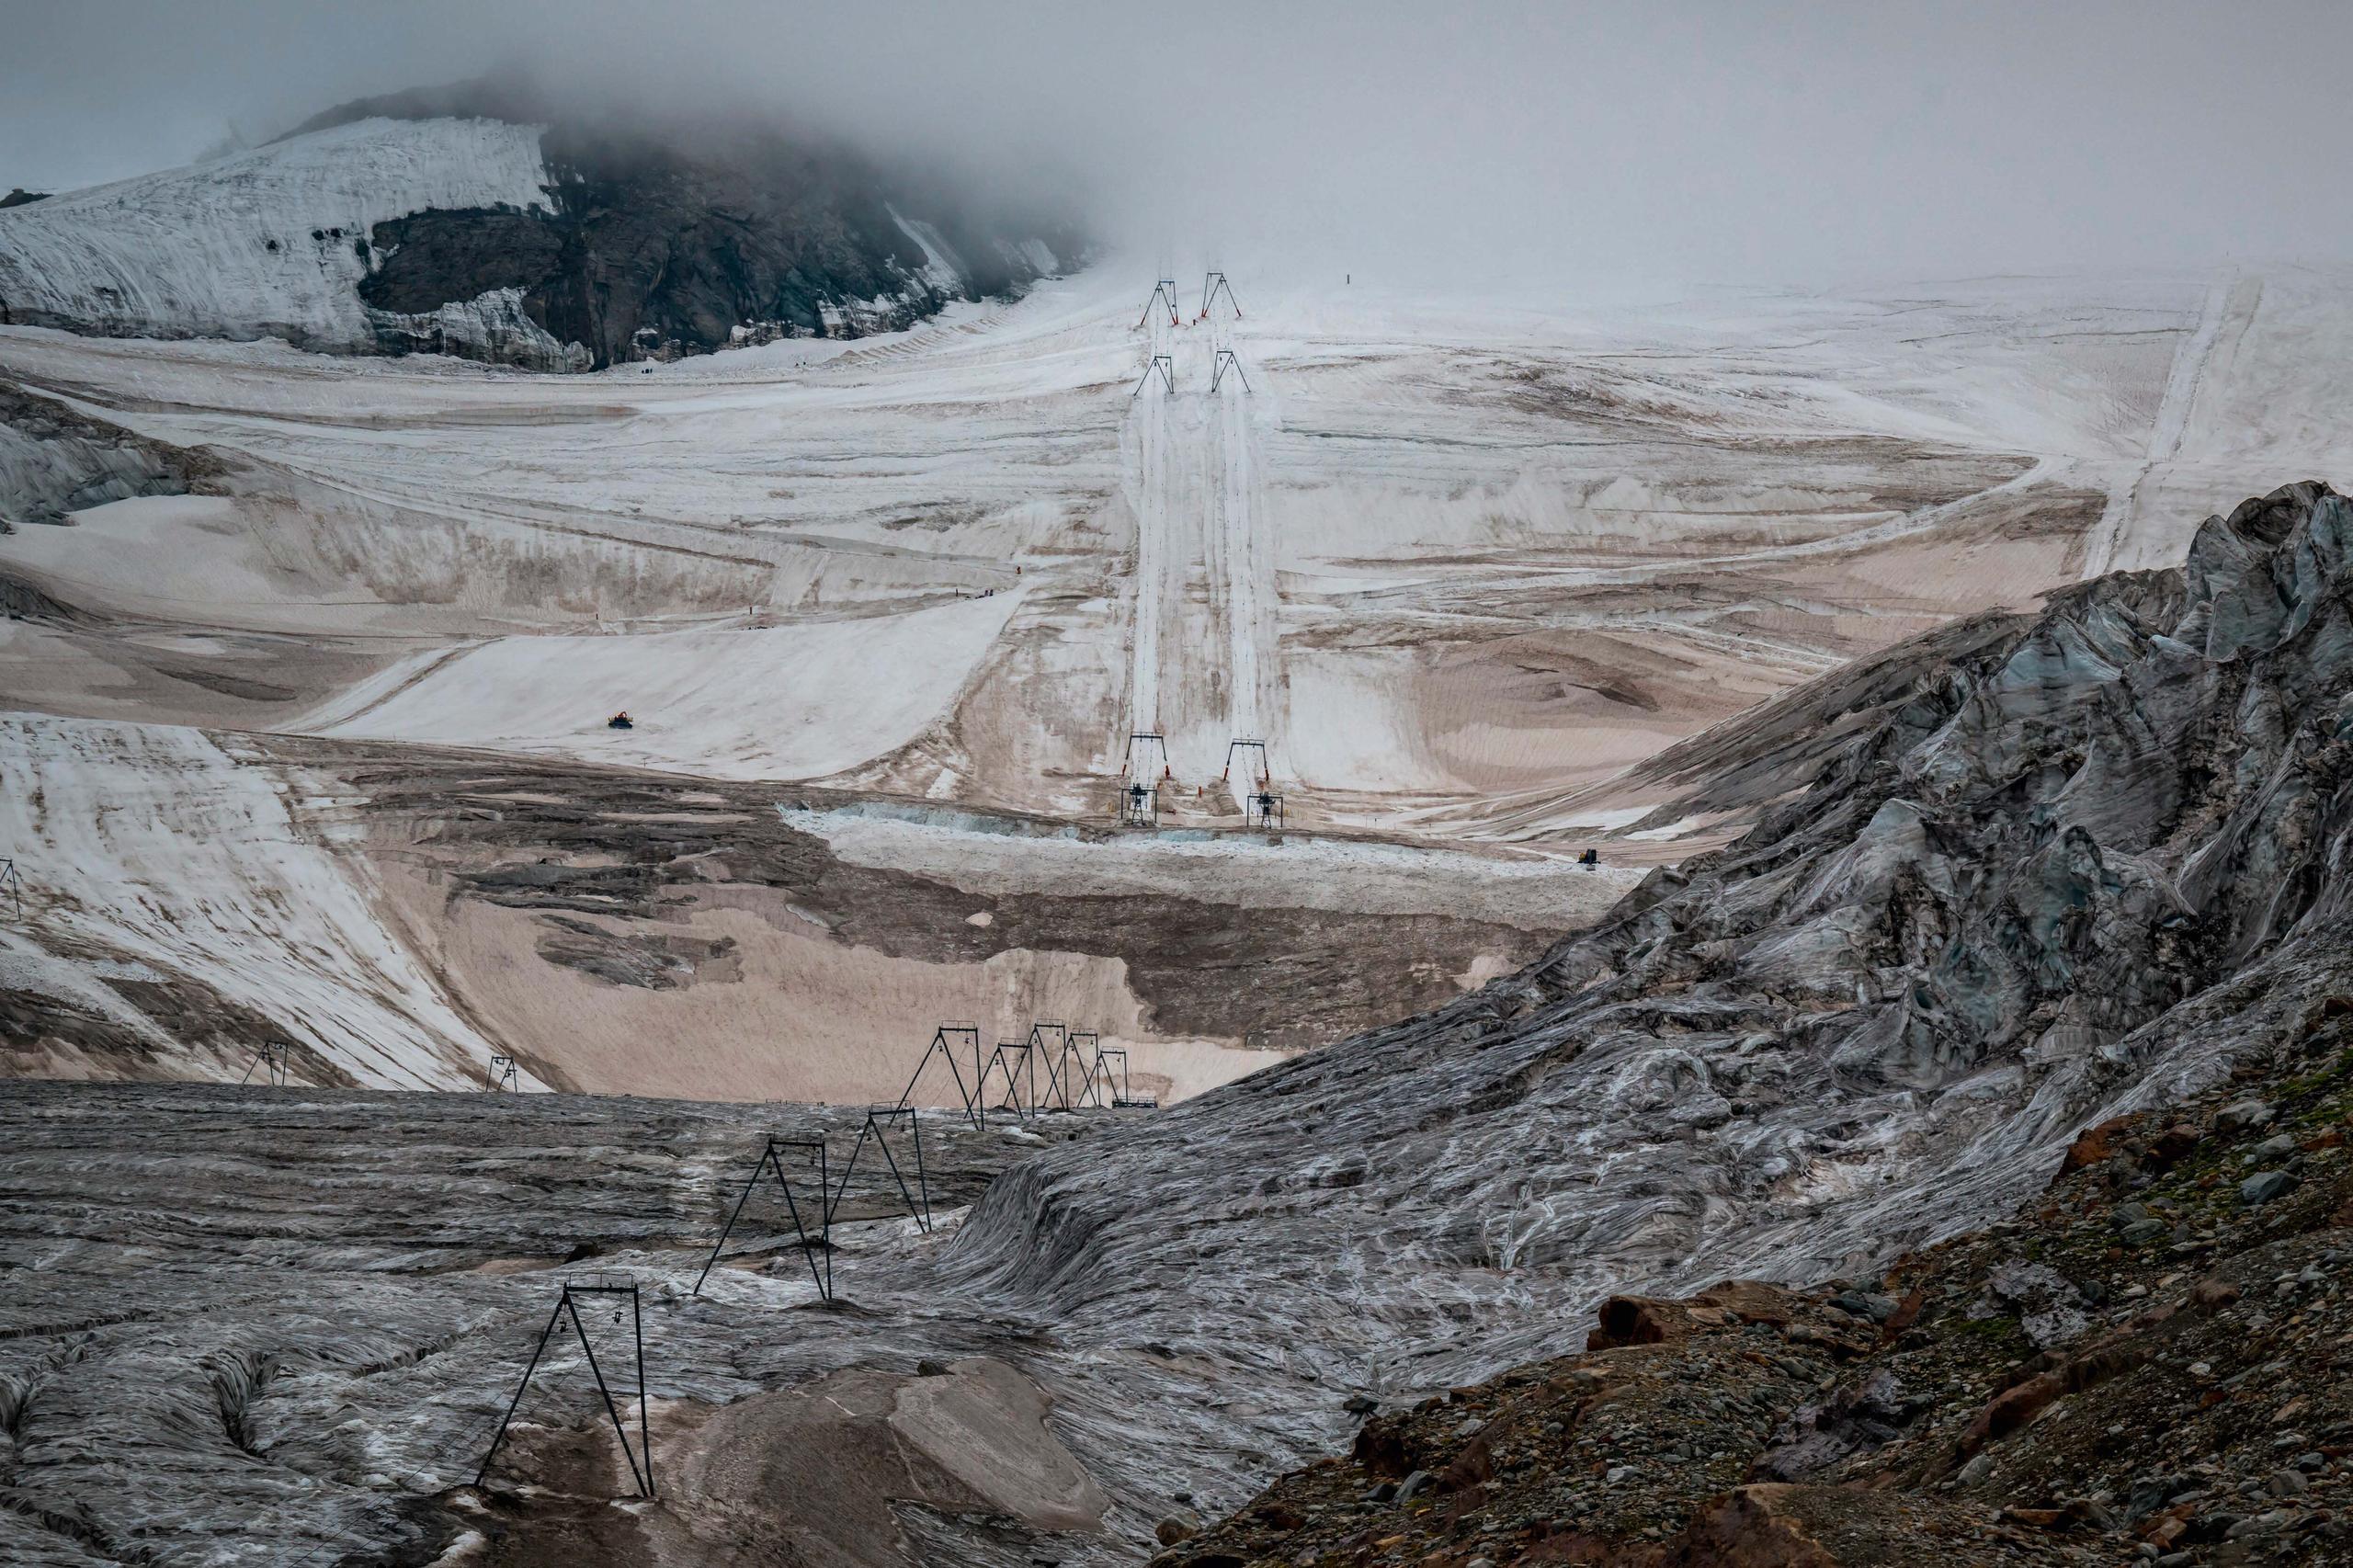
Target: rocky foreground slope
<point>2147,1362</point>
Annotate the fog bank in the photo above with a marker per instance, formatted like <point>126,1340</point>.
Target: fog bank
<point>1622,143</point>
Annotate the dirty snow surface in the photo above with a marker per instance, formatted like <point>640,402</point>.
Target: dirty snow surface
<point>1447,557</point>
<point>188,873</point>
<point>1421,582</point>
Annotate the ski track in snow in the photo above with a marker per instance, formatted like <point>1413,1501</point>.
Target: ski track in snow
<point>2119,519</point>
<point>156,842</point>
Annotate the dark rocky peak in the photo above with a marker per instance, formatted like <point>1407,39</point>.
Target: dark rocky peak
<point>496,222</point>
<point>20,196</point>
<point>677,233</point>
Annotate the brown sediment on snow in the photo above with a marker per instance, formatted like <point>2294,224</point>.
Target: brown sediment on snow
<point>634,932</point>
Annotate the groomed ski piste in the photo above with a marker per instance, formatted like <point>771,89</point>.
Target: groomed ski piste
<point>1458,561</point>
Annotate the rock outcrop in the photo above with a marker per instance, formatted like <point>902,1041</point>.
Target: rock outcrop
<point>665,240</point>
<point>2192,1403</point>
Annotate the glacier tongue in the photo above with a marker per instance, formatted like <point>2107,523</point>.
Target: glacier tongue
<point>267,243</point>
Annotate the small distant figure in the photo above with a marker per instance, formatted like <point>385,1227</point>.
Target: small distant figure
<point>1590,858</point>
<point>620,720</point>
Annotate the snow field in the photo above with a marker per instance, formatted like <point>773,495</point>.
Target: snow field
<point>1710,500</point>
<point>798,702</point>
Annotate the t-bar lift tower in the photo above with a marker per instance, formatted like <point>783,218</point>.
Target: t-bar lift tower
<point>1165,368</point>
<point>592,1292</point>
<point>947,1042</point>
<point>809,1154</point>
<point>1163,300</point>
<point>1212,285</point>
<point>1144,746</point>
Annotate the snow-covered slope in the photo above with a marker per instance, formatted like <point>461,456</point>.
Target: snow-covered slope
<point>177,874</point>
<point>779,702</point>
<point>268,243</point>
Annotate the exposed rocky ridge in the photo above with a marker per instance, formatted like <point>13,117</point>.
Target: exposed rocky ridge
<point>2088,858</point>
<point>54,460</point>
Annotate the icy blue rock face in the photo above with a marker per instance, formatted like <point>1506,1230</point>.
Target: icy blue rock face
<point>2067,863</point>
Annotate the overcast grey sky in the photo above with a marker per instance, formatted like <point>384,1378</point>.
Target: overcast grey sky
<point>1688,141</point>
